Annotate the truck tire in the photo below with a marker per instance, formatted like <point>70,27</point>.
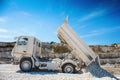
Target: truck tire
<point>68,68</point>
<point>26,65</point>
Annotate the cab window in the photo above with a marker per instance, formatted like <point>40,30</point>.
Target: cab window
<point>39,45</point>
<point>22,41</point>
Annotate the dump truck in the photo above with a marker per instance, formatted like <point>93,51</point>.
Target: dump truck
<point>27,51</point>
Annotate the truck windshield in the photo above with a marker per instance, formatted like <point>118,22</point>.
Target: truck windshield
<point>22,41</point>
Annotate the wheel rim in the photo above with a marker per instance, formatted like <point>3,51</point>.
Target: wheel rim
<point>68,69</point>
<point>26,65</point>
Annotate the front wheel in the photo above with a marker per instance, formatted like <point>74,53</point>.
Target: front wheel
<point>68,68</point>
<point>26,65</point>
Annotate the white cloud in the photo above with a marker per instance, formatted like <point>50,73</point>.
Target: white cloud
<point>3,30</point>
<point>2,20</point>
<point>101,32</point>
<point>25,13</point>
<point>5,36</point>
<point>8,35</point>
<point>91,34</point>
<point>92,15</point>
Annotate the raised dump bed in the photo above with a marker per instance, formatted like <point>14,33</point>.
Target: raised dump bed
<point>78,46</point>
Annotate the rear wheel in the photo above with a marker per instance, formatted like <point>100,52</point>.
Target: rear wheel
<point>26,65</point>
<point>68,68</point>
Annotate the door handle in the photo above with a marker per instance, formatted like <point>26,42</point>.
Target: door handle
<point>24,51</point>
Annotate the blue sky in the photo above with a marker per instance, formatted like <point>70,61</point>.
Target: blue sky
<point>95,21</point>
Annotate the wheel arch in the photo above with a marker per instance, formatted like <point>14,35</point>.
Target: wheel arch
<point>63,67</point>
<point>69,62</point>
<point>27,57</point>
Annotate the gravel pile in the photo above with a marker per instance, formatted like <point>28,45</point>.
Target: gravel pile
<point>12,72</point>
<point>99,72</point>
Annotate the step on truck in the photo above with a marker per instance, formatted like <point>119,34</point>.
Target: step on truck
<point>27,51</point>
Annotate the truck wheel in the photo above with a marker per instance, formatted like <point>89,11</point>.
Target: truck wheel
<point>68,68</point>
<point>26,65</point>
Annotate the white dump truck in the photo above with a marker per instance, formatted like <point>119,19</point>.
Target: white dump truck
<point>27,51</point>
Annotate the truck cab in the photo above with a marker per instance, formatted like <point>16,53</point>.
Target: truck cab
<point>26,46</point>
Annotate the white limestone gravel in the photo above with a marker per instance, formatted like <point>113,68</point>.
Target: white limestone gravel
<point>99,72</point>
<point>12,72</point>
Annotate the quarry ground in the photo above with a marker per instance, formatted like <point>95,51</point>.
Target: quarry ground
<point>12,72</point>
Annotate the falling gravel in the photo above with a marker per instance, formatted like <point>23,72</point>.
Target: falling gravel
<point>99,72</point>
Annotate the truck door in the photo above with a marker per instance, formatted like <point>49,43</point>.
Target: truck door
<point>37,49</point>
<point>21,47</point>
